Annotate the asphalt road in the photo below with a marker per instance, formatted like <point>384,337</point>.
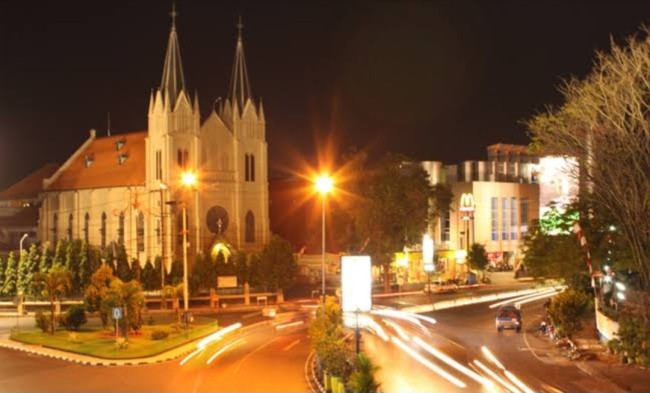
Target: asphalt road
<point>250,365</point>
<point>460,333</point>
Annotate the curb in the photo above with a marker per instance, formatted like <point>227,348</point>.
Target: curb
<point>310,374</point>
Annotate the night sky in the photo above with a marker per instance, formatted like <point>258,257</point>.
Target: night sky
<point>435,80</point>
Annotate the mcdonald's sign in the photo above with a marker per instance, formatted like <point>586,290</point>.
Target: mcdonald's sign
<point>466,202</point>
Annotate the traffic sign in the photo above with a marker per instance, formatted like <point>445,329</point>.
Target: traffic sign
<point>117,313</point>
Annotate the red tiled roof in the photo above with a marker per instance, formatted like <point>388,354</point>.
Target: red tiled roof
<point>522,149</point>
<point>31,185</point>
<point>105,170</point>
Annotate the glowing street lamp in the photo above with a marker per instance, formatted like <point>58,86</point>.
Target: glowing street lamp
<point>427,258</point>
<point>324,184</point>
<point>467,208</point>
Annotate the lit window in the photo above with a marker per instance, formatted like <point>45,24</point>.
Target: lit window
<point>504,218</point>
<point>495,219</point>
<point>513,218</point>
<point>250,227</point>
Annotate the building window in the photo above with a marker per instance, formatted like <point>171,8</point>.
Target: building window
<point>70,223</point>
<point>446,226</point>
<point>250,227</point>
<point>158,165</point>
<point>186,159</point>
<point>55,225</point>
<point>524,216</point>
<point>86,227</point>
<point>252,167</point>
<point>504,218</point>
<point>246,168</point>
<point>120,229</point>
<point>102,230</point>
<point>179,158</point>
<point>158,232</point>
<point>495,218</point>
<point>513,218</point>
<point>139,231</point>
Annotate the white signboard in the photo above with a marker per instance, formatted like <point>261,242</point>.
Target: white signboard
<point>227,282</point>
<point>356,283</point>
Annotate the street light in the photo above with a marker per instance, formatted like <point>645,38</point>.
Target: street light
<point>324,185</point>
<point>467,208</point>
<point>21,242</point>
<point>188,180</point>
<point>427,258</point>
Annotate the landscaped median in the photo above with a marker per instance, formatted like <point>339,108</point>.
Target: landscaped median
<point>153,339</point>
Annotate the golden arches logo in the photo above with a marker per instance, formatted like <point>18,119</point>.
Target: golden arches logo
<point>467,202</point>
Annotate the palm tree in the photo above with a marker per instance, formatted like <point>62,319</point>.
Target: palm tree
<point>129,296</point>
<point>175,292</point>
<point>363,379</point>
<point>53,285</point>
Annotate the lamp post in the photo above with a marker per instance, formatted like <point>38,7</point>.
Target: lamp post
<point>324,185</point>
<point>21,242</point>
<point>427,259</point>
<point>189,181</point>
<point>467,208</point>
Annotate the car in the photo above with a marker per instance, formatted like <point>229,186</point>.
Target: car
<point>508,317</point>
<point>440,287</point>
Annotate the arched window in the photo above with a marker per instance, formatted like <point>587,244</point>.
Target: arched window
<point>179,158</point>
<point>246,168</point>
<point>249,236</point>
<point>186,159</point>
<point>69,231</point>
<point>102,230</point>
<point>139,231</point>
<point>120,229</point>
<point>86,227</point>
<point>252,165</point>
<point>55,225</point>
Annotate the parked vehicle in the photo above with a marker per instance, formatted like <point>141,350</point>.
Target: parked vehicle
<point>508,317</point>
<point>440,287</point>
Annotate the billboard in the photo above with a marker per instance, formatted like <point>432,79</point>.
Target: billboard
<point>356,283</point>
<point>227,282</point>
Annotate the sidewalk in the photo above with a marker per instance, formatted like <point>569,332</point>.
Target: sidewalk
<point>603,368</point>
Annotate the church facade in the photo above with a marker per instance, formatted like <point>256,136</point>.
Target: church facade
<point>126,188</point>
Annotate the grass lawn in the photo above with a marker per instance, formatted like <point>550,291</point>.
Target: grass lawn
<point>95,341</point>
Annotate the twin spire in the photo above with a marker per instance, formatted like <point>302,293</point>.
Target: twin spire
<point>173,77</point>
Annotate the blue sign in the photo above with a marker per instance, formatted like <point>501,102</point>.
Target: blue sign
<point>117,313</point>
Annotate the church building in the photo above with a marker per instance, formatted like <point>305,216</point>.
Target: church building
<point>127,188</point>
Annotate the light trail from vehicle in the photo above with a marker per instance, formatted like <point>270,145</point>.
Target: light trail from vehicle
<point>518,382</point>
<point>478,378</point>
<point>509,301</point>
<point>427,363</point>
<point>224,349</point>
<point>398,329</point>
<point>497,378</point>
<point>398,315</point>
<point>288,325</point>
<point>519,303</point>
<point>491,357</point>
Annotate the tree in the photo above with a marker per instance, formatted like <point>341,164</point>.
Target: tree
<point>553,256</point>
<point>278,264</point>
<point>175,273</point>
<point>129,296</point>
<point>11,276</point>
<point>175,292</point>
<point>96,291</point>
<point>23,278</point>
<point>390,209</point>
<point>149,277</point>
<point>157,264</point>
<point>136,270</point>
<point>566,311</point>
<point>363,378</point>
<point>242,268</point>
<point>52,286</point>
<point>73,250</point>
<point>603,122</point>
<point>326,335</point>
<point>59,253</point>
<point>84,267</point>
<point>477,257</point>
<point>94,261</point>
<point>122,268</point>
<point>45,263</point>
<point>3,268</point>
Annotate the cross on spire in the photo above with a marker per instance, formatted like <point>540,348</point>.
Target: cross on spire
<point>173,14</point>
<point>240,27</point>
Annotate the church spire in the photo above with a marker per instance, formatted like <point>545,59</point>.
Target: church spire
<point>173,79</point>
<point>240,89</point>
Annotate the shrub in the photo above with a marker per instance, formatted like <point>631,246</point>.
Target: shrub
<point>121,343</point>
<point>567,310</point>
<point>159,334</point>
<point>74,318</point>
<point>43,321</point>
<point>363,379</point>
<point>633,342</point>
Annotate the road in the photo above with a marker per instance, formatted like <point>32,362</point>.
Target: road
<point>460,334</point>
<point>251,365</point>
